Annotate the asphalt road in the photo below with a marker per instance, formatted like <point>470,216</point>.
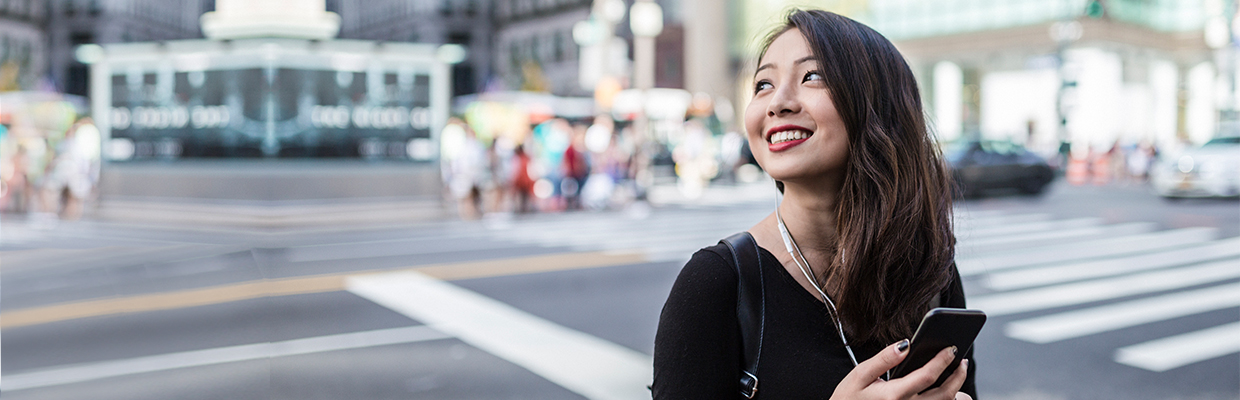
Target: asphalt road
<point>1094,293</point>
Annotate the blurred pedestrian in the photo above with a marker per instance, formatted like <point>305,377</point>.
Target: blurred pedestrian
<point>468,171</point>
<point>606,166</point>
<point>522,181</point>
<point>865,225</point>
<point>1139,161</point>
<point>16,196</point>
<point>576,167</point>
<point>695,159</point>
<point>70,177</point>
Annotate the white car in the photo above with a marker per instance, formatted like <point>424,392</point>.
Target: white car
<point>1212,170</point>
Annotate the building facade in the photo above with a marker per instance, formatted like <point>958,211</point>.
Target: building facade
<point>23,43</point>
<point>71,23</point>
<point>534,46</point>
<point>1091,73</point>
<point>1086,72</point>
<point>461,22</point>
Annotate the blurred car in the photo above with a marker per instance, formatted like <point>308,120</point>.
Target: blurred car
<point>1212,170</point>
<point>979,166</point>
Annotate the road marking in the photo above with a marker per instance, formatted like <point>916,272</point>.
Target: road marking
<point>1098,248</point>
<point>1096,269</point>
<point>1041,239</point>
<point>1072,324</point>
<point>531,264</point>
<point>986,220</point>
<point>595,233</point>
<point>1180,350</point>
<point>585,364</point>
<point>111,369</point>
<point>171,300</point>
<point>307,285</point>
<point>1085,292</point>
<point>456,241</point>
<point>1039,226</point>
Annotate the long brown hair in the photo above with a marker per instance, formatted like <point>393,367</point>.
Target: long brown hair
<point>894,222</point>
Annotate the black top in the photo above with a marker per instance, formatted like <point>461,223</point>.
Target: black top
<point>697,348</point>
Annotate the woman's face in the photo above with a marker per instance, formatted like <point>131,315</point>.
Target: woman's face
<point>794,130</point>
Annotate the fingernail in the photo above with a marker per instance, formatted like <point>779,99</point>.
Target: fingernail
<point>902,346</point>
<point>964,363</point>
<point>953,350</point>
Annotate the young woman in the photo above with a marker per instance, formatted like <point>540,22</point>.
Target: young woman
<point>836,120</point>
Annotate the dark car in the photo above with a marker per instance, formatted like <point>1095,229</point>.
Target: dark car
<point>979,166</point>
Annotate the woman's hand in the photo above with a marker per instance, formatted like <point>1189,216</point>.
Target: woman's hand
<point>864,382</point>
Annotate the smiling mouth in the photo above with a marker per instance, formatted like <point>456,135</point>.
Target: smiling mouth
<point>789,135</point>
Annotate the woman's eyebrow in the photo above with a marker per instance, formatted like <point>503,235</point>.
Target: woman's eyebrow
<point>771,65</point>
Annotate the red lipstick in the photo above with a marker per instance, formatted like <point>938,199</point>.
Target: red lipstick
<point>777,147</point>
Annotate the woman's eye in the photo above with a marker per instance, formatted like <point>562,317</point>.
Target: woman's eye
<point>762,85</point>
<point>812,76</point>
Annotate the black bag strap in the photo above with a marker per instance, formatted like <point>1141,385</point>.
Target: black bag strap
<point>750,306</point>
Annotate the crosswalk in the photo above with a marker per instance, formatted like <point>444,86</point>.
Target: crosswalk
<point>1080,277</point>
<point>1042,279</point>
<point>1049,279</point>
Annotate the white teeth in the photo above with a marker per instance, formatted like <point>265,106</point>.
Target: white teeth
<point>780,137</point>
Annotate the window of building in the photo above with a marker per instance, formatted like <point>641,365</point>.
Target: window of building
<point>558,45</point>
<point>514,55</point>
<point>461,38</point>
<point>81,38</point>
<point>537,53</point>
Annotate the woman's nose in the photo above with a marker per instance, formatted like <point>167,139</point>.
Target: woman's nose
<point>783,103</point>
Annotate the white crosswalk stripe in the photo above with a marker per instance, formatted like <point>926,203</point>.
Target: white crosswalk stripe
<point>1051,237</point>
<point>1180,350</point>
<point>1114,266</point>
<point>1073,324</point>
<point>1085,250</point>
<point>1098,278</point>
<point>978,234</point>
<point>1091,291</point>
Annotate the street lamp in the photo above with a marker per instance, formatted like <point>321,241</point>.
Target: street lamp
<point>451,53</point>
<point>1064,33</point>
<point>597,36</point>
<point>646,22</point>
<point>1220,34</point>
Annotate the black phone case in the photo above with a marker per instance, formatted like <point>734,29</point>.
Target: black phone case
<point>939,329</point>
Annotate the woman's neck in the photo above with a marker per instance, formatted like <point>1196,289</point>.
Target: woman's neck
<point>810,215</point>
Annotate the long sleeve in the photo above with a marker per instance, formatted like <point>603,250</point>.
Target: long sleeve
<point>696,348</point>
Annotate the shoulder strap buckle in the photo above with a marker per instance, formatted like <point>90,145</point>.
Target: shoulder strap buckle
<point>749,385</point>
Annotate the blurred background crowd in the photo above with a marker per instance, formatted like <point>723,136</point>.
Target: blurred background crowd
<point>543,105</point>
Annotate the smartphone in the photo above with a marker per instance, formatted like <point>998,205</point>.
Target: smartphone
<point>941,328</point>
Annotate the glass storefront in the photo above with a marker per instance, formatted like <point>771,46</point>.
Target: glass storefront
<point>276,102</point>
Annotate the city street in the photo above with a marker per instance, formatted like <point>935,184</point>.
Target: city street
<point>1093,292</point>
